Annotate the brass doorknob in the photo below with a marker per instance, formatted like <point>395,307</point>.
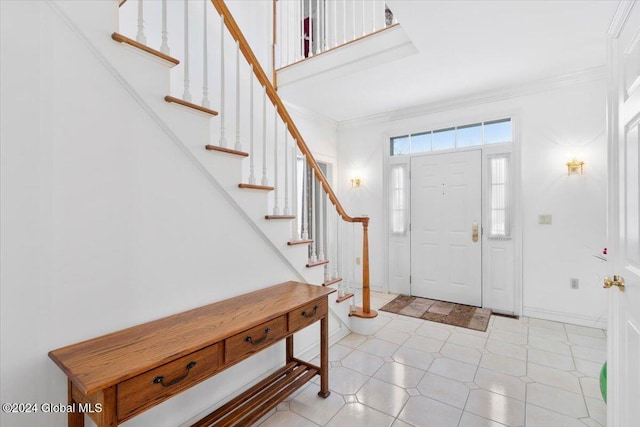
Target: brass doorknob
<point>616,281</point>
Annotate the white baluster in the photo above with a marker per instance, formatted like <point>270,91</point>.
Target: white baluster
<point>300,18</point>
<point>314,225</point>
<point>363,16</point>
<point>186,95</point>
<point>141,37</point>
<point>223,140</point>
<point>335,23</point>
<point>310,30</point>
<point>205,73</point>
<point>320,227</point>
<point>344,21</point>
<point>373,15</point>
<point>265,180</point>
<point>286,169</point>
<point>281,22</point>
<point>318,35</point>
<point>276,206</point>
<point>295,234</point>
<point>252,177</point>
<point>238,144</point>
<point>305,201</point>
<point>353,3</point>
<point>164,47</point>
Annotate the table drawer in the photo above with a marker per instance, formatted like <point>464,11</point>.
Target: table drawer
<point>154,386</point>
<point>254,339</point>
<point>307,314</point>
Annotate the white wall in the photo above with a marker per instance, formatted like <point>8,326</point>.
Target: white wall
<point>551,124</point>
<point>105,223</point>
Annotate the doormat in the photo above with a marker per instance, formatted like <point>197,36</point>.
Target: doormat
<point>449,313</point>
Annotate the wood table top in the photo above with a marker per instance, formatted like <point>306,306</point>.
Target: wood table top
<point>101,362</point>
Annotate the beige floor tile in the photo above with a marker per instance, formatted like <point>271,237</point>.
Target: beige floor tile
<point>399,374</point>
<point>591,387</point>
<point>510,325</point>
<point>585,341</point>
<point>506,336</point>
<point>453,369</point>
<point>429,330</point>
<point>425,412</point>
<point>421,343</point>
<point>504,384</point>
<point>471,420</point>
<point>338,351</point>
<point>392,335</point>
<point>552,346</point>
<point>444,390</point>
<point>287,418</point>
<point>547,324</point>
<point>415,358</point>
<point>315,408</point>
<point>586,331</point>
<point>550,334</point>
<point>597,410</point>
<point>590,369</point>
<point>378,347</point>
<point>403,324</point>
<point>557,400</point>
<point>591,354</point>
<point>552,360</point>
<point>383,396</point>
<point>467,340</point>
<point>362,362</point>
<point>461,353</point>
<point>496,407</point>
<point>400,423</point>
<point>554,378</point>
<point>541,417</point>
<point>352,340</point>
<point>504,364</point>
<point>357,414</point>
<point>346,381</point>
<point>507,349</point>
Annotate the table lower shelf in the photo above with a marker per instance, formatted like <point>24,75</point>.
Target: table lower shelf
<point>250,406</point>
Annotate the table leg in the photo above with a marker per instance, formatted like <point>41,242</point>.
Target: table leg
<point>324,358</point>
<point>289,348</point>
<point>75,418</point>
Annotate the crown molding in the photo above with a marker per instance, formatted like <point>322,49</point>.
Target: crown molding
<point>537,86</point>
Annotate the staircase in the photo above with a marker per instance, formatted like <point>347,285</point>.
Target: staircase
<point>248,143</point>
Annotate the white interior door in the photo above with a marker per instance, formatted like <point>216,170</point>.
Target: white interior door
<point>624,197</point>
<point>446,227</point>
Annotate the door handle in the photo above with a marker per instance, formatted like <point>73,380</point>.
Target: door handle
<point>616,281</point>
<point>474,232</point>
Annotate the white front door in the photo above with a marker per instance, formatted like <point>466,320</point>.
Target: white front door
<point>623,394</point>
<point>446,227</point>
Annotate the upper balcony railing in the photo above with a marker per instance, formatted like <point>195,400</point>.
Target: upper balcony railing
<point>306,28</point>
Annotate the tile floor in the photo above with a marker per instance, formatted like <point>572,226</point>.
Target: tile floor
<point>413,372</point>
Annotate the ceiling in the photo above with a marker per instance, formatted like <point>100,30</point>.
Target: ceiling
<point>465,48</point>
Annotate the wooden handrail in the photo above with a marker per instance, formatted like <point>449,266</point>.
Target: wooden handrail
<point>282,111</point>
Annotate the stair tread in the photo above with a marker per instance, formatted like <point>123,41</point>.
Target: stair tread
<point>299,242</point>
<point>332,281</point>
<point>188,104</point>
<point>279,217</point>
<point>226,150</point>
<point>257,187</point>
<point>124,39</point>
<point>344,298</point>
<point>317,263</point>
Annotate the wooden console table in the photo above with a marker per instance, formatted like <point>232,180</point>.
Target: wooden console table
<point>117,376</point>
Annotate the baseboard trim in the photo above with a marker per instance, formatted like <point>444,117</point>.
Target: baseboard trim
<point>574,319</point>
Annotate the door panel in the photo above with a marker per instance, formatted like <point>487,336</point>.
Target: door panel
<point>445,204</point>
<point>623,387</point>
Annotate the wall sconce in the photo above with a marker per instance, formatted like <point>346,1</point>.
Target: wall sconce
<point>575,167</point>
<point>355,182</point>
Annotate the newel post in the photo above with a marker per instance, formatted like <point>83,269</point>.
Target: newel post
<point>366,296</point>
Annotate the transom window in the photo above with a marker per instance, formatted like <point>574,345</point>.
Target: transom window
<point>491,132</point>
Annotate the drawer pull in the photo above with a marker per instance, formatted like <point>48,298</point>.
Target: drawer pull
<point>160,379</point>
<point>258,341</point>
<point>310,315</point>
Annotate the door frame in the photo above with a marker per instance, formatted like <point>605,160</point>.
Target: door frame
<point>516,162</point>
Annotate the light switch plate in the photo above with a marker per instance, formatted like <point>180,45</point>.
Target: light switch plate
<point>545,219</point>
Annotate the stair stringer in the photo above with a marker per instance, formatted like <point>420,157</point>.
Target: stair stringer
<point>152,76</point>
